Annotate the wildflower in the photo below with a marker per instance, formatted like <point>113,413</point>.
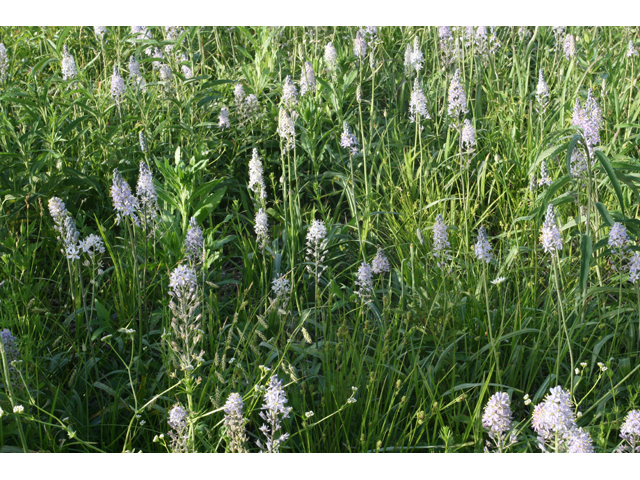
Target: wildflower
<point>234,422</point>
<point>554,422</point>
<point>380,264</point>
<point>166,76</point>
<point>544,175</point>
<point>494,43</point>
<point>134,67</point>
<point>360,45</point>
<point>415,57</point>
<point>69,69</point>
<point>186,70</point>
<point>482,248</point>
<point>618,238</point>
<point>309,414</point>
<point>630,432</point>
<point>194,242</point>
<point>273,412</point>
<point>66,227</point>
<point>185,324</point>
<point>157,54</point>
<point>117,85</point>
<point>180,430</point>
<point>238,93</point>
<point>262,228</point>
<point>223,119</point>
<point>524,33</point>
<point>256,181</point>
<point>418,103</point>
<point>143,141</point>
<point>91,245</point>
<point>498,280</point>
<point>307,79</point>
<point>527,400</point>
<point>497,419</point>
<point>99,32</point>
<point>602,367</point>
<point>289,92</point>
<point>631,49</point>
<point>578,164</point>
<point>364,281</point>
<point>634,267</point>
<point>558,32</point>
<point>589,120</point>
<point>457,98</point>
<point>18,409</point>
<point>281,286</point>
<point>123,200</point>
<point>550,234</point>
<point>251,105</point>
<point>447,45</point>
<point>420,237</point>
<point>542,91</point>
<point>468,136</point>
<point>481,39</point>
<point>4,63</point>
<point>440,237</point>
<point>316,248</point>
<point>141,83</point>
<point>287,130</point>
<point>12,354</point>
<point>569,46</point>
<point>330,56</point>
<point>348,139</point>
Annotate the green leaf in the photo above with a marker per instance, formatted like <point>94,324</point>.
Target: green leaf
<point>586,249</point>
<point>606,164</point>
<point>604,213</point>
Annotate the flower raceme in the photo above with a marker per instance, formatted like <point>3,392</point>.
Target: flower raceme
<point>550,234</point>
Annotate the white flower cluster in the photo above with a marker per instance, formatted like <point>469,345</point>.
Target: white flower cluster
<point>256,180</point>
<point>273,412</point>
<point>380,264</point>
<point>497,419</point>
<point>550,234</point>
<point>482,248</point>
<point>117,86</point>
<point>364,282</point>
<point>194,242</point>
<point>262,228</point>
<point>124,202</point>
<point>330,56</point>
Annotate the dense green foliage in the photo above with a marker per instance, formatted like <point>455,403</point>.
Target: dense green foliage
<point>437,337</point>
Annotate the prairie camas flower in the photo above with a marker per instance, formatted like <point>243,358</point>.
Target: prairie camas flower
<point>166,76</point>
<point>66,228</point>
<point>223,119</point>
<point>281,286</point>
<point>157,54</point>
<point>273,412</point>
<point>4,63</point>
<point>238,94</point>
<point>287,130</point>
<point>418,103</point>
<point>185,324</point>
<point>124,202</point>
<point>569,46</point>
<point>307,79</point>
<point>99,32</point>
<point>262,228</point>
<point>330,56</point>
<point>468,136</point>
<point>542,91</point>
<point>180,429</point>
<point>12,354</point>
<point>440,237</point>
<point>364,282</point>
<point>194,243</point>
<point>316,243</point>
<point>554,422</point>
<point>360,45</point>
<point>550,234</point>
<point>544,179</point>
<point>631,49</point>
<point>348,140</point>
<point>92,245</point>
<point>589,120</point>
<point>380,264</point>
<point>186,70</point>
<point>618,238</point>
<point>289,92</point>
<point>630,432</point>
<point>256,181</point>
<point>234,422</point>
<point>143,141</point>
<point>134,67</point>
<point>634,267</point>
<point>117,86</point>
<point>497,420</point>
<point>415,57</point>
<point>69,69</point>
<point>457,99</point>
<point>482,248</point>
